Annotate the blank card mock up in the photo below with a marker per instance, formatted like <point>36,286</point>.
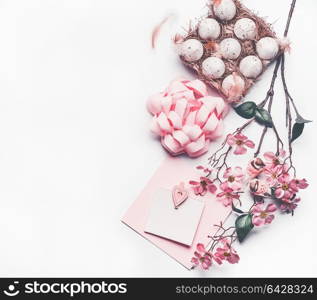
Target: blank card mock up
<point>143,218</point>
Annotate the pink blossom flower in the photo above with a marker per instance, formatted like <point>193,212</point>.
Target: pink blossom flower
<point>202,257</point>
<point>186,118</point>
<point>226,252</point>
<point>255,167</point>
<point>234,177</point>
<point>285,187</point>
<point>271,174</point>
<point>203,186</point>
<point>273,160</point>
<point>240,142</point>
<point>289,205</point>
<point>263,216</point>
<point>227,195</point>
<point>259,187</point>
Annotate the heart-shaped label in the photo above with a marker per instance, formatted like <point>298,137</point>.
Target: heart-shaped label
<point>180,194</point>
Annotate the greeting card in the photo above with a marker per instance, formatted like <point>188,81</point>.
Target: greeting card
<point>160,187</point>
<point>178,224</point>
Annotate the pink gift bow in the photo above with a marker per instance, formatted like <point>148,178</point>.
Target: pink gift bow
<point>186,117</point>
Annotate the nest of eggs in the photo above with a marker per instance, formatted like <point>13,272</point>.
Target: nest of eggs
<point>230,48</point>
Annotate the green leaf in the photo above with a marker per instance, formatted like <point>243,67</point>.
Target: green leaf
<point>297,131</point>
<point>246,110</point>
<point>243,226</point>
<point>263,117</point>
<point>237,210</point>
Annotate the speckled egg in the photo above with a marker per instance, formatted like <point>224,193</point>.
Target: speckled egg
<point>251,66</point>
<point>231,81</point>
<point>209,29</point>
<point>213,67</point>
<point>245,29</point>
<point>267,48</point>
<point>230,48</point>
<point>192,50</point>
<point>225,10</point>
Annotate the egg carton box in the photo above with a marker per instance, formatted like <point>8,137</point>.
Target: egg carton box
<point>229,49</point>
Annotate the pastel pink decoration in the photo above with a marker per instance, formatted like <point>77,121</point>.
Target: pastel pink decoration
<point>186,118</point>
<point>180,194</point>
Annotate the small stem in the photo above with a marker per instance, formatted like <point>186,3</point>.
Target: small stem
<point>289,19</point>
<point>261,142</point>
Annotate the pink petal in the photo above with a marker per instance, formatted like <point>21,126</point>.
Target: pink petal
<point>240,150</point>
<point>192,182</point>
<point>270,156</point>
<point>271,208</point>
<point>238,172</point>
<point>195,261</point>
<point>224,186</point>
<point>201,248</point>
<point>249,144</point>
<point>212,188</point>
<point>257,221</point>
<point>257,208</point>
<point>206,264</point>
<point>240,136</point>
<point>269,219</point>
<point>279,193</point>
<point>231,140</point>
<point>227,173</point>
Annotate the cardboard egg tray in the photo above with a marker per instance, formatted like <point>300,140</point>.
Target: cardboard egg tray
<point>248,47</point>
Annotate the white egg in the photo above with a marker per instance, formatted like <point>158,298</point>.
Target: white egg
<point>251,66</point>
<point>225,10</point>
<point>230,48</point>
<point>192,50</point>
<point>231,81</point>
<point>209,29</point>
<point>267,48</point>
<point>213,67</point>
<point>245,29</point>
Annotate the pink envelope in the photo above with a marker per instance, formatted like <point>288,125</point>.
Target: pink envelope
<point>170,173</point>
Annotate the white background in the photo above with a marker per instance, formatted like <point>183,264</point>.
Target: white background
<point>75,148</point>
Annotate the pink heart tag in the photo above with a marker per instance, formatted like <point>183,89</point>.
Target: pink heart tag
<point>179,194</point>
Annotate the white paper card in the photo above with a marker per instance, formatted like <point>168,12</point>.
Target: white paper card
<point>179,225</point>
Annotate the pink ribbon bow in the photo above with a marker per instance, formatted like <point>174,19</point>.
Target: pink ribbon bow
<point>186,118</point>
